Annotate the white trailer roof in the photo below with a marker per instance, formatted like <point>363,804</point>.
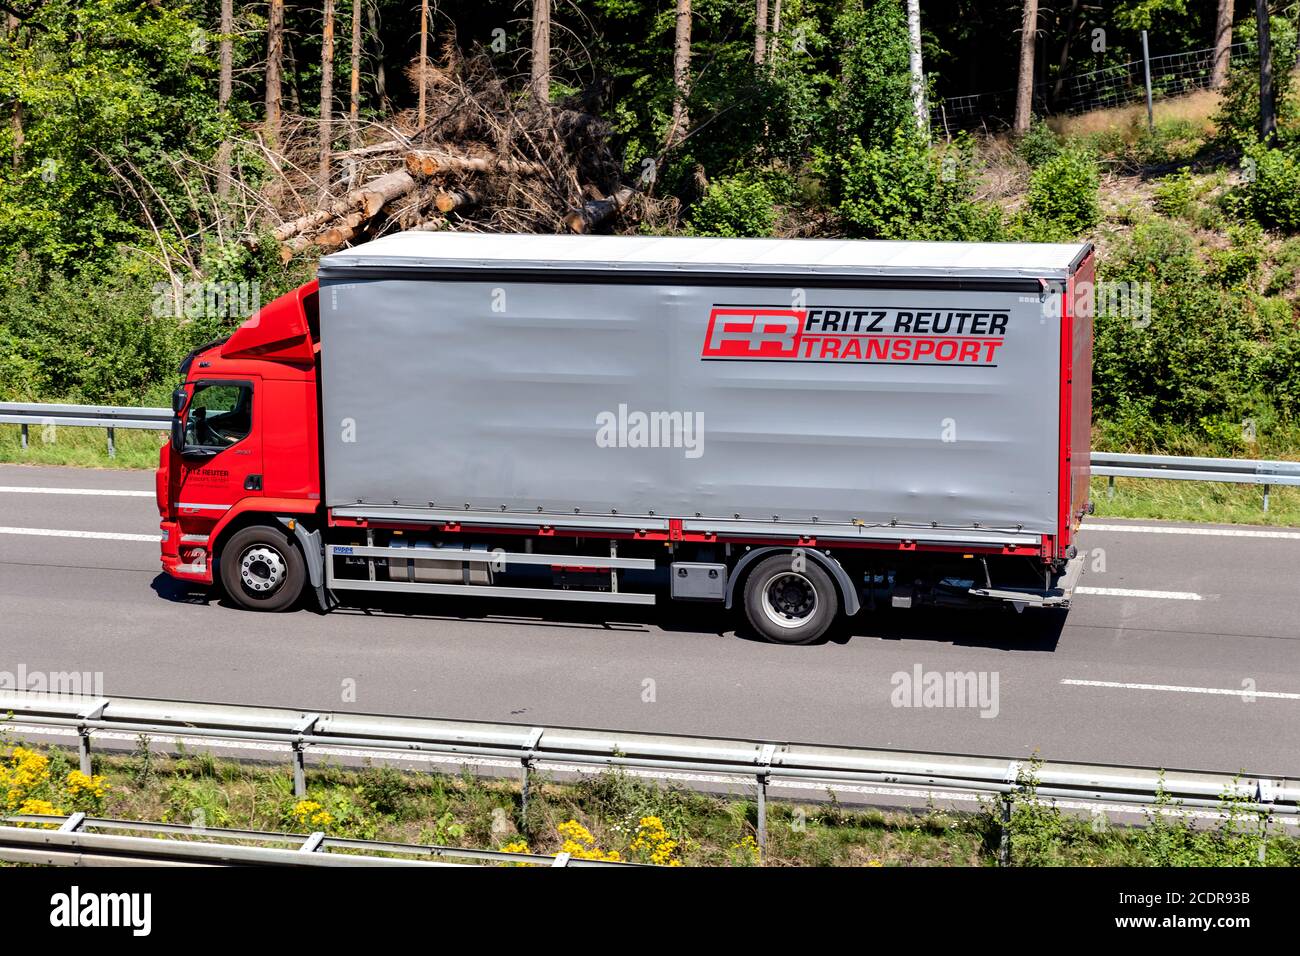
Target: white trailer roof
<point>835,257</point>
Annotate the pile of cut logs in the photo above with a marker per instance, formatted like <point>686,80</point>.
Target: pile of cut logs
<point>433,184</point>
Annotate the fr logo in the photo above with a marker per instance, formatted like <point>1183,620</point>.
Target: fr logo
<point>754,333</point>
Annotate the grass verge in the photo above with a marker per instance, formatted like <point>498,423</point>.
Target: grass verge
<point>613,815</point>
<point>80,447</point>
<point>1207,501</point>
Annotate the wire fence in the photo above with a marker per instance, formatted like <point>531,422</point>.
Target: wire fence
<point>1120,84</point>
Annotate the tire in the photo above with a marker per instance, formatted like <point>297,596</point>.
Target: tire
<point>262,569</point>
<point>789,606</point>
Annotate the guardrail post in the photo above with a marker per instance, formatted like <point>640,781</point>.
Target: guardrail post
<point>299,768</point>
<point>24,436</point>
<point>83,749</point>
<point>1110,487</point>
<point>526,765</point>
<point>765,759</point>
<point>1266,489</point>
<point>112,451</point>
<point>1004,845</point>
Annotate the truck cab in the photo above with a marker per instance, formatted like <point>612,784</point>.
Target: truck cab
<point>244,454</point>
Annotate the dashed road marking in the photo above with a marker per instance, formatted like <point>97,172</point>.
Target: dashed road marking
<point>98,535</point>
<point>1142,593</point>
<point>108,492</point>
<point>1212,532</point>
<point>1218,691</point>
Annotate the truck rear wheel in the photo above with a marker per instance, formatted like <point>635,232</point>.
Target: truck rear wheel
<point>262,569</point>
<point>790,602</point>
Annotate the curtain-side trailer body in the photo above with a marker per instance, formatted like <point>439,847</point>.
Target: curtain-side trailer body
<point>801,427</point>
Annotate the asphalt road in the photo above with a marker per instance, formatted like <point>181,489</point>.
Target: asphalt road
<point>1182,651</point>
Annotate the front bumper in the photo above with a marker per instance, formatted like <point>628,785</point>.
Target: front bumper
<point>182,558</point>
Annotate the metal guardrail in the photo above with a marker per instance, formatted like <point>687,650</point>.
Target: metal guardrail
<point>108,417</point>
<point>1239,470</point>
<point>76,843</point>
<point>570,749</point>
<point>1108,464</point>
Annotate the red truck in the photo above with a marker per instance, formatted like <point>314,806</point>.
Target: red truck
<point>804,428</point>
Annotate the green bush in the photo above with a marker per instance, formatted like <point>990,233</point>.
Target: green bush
<point>1175,194</point>
<point>1211,353</point>
<point>1286,268</point>
<point>1239,263</point>
<point>1039,144</point>
<point>1062,202</point>
<point>734,207</point>
<point>874,94</point>
<point>910,191</point>
<point>1272,190</point>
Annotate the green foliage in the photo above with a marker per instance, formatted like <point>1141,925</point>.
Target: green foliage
<point>1039,144</point>
<point>908,190</point>
<point>1062,202</point>
<point>1211,354</point>
<point>1175,195</point>
<point>114,94</point>
<point>873,97</point>
<point>1238,116</point>
<point>734,207</point>
<point>1272,189</point>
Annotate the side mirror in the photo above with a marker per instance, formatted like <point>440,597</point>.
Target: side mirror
<point>179,397</point>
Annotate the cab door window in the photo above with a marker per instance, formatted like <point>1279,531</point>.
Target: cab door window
<point>220,415</point>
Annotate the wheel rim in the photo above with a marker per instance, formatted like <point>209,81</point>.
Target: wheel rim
<point>789,600</point>
<point>262,570</point>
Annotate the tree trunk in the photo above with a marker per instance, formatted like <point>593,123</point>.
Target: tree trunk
<point>354,91</point>
<point>274,66</point>
<point>1267,108</point>
<point>326,93</point>
<point>681,74</point>
<point>1025,86</point>
<point>225,84</point>
<point>424,56</point>
<point>542,51</point>
<point>760,32</point>
<point>425,164</point>
<point>449,199</point>
<point>773,37</point>
<point>1071,25</point>
<point>595,211</point>
<point>292,73</point>
<point>918,72</point>
<point>1222,45</point>
<point>16,117</point>
<point>381,80</point>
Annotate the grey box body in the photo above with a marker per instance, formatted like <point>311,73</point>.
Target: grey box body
<point>487,394</point>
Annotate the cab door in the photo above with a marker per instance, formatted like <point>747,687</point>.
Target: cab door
<point>221,451</point>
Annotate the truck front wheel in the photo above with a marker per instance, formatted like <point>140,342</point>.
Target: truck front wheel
<point>788,601</point>
<point>262,569</point>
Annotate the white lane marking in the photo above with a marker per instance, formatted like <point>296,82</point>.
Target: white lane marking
<point>1214,532</point>
<point>1221,691</point>
<point>1140,592</point>
<point>110,492</point>
<point>99,535</point>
